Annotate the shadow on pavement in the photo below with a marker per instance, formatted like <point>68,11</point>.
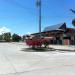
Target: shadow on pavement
<point>45,50</point>
<point>37,49</point>
<point>67,50</point>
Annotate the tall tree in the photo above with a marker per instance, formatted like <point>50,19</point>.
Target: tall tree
<point>7,37</point>
<point>16,38</point>
<point>1,37</point>
<point>73,22</point>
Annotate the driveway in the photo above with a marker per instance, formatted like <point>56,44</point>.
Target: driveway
<point>15,61</point>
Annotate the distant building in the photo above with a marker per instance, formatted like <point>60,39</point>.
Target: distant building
<point>60,34</point>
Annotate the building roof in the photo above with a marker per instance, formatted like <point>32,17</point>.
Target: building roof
<point>70,32</point>
<point>60,26</point>
<point>70,29</point>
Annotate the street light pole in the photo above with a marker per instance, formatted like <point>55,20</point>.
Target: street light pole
<point>39,7</point>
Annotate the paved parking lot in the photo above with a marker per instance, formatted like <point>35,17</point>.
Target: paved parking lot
<point>15,61</point>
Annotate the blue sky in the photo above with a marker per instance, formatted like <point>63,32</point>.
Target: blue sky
<point>21,16</point>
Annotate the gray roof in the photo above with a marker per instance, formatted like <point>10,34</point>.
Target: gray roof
<point>55,27</point>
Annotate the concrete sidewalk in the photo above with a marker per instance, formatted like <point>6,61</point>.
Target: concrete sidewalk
<point>63,47</point>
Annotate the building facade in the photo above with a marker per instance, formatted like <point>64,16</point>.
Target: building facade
<point>59,34</point>
<point>62,35</point>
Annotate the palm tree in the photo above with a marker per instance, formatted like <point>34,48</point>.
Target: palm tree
<point>73,21</point>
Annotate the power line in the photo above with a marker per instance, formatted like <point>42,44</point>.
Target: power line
<point>14,2</point>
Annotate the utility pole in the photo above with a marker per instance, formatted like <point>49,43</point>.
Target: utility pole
<point>38,3</point>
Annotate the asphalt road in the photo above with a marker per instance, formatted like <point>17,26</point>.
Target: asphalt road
<point>14,60</point>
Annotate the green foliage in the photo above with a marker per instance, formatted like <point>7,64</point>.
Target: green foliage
<point>73,22</point>
<point>23,38</point>
<point>7,37</point>
<point>16,38</point>
<point>1,37</point>
<point>46,44</point>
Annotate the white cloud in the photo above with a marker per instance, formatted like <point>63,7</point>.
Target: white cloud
<point>4,30</point>
<point>28,33</point>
